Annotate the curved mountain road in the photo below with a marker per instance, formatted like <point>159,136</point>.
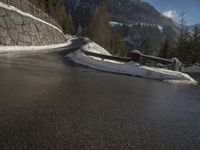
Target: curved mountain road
<point>46,102</point>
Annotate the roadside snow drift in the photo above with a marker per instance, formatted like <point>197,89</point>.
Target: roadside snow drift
<point>192,69</point>
<point>8,49</point>
<point>130,68</point>
<point>93,47</point>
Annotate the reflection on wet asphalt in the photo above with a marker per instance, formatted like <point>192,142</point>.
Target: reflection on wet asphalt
<point>48,103</point>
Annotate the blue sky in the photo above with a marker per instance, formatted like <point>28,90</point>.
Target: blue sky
<point>173,9</point>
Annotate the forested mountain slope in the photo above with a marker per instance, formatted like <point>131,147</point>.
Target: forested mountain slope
<point>136,21</point>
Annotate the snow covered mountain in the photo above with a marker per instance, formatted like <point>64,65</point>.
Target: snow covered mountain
<point>125,11</point>
<point>139,18</point>
<point>191,27</point>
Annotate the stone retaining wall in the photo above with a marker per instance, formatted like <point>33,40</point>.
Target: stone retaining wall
<point>19,30</point>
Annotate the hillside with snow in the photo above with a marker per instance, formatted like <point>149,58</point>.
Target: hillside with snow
<point>191,27</point>
<point>134,20</point>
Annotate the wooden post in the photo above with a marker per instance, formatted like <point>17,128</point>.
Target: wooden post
<point>136,55</point>
<point>177,64</point>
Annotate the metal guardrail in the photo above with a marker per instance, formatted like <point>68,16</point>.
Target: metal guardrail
<point>172,64</point>
<point>115,58</point>
<point>27,6</point>
<point>136,55</point>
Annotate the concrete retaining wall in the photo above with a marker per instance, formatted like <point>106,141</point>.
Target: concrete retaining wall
<point>20,30</point>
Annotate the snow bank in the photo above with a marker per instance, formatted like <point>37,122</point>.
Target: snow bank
<point>7,49</point>
<point>192,69</point>
<point>71,37</point>
<point>93,47</point>
<point>130,68</point>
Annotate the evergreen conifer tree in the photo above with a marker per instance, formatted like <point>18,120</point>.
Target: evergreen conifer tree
<point>146,46</point>
<point>165,48</point>
<point>101,32</point>
<point>80,30</point>
<point>195,45</point>
<point>183,45</point>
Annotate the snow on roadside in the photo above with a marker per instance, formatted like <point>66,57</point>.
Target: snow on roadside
<point>192,69</point>
<point>7,49</point>
<point>93,47</point>
<point>71,37</point>
<point>130,68</point>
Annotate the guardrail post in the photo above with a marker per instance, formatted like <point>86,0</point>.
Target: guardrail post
<point>135,55</point>
<point>177,64</point>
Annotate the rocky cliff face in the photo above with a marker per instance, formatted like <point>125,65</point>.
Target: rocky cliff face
<point>19,30</point>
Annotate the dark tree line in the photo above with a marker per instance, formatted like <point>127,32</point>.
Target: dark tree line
<point>101,32</point>
<point>186,48</point>
<point>57,11</point>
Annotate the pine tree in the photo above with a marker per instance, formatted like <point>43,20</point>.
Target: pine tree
<point>69,25</point>
<point>183,47</point>
<point>195,45</point>
<point>146,46</point>
<point>80,30</point>
<point>117,47</point>
<point>165,48</point>
<point>99,29</point>
<point>101,32</point>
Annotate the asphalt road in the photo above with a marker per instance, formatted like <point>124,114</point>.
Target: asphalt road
<point>48,103</point>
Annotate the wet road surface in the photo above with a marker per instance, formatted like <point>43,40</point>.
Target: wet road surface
<point>47,103</point>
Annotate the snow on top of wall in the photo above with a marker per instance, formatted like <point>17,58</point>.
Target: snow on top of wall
<point>192,69</point>
<point>12,8</point>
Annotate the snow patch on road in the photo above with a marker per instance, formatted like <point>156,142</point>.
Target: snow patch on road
<point>130,68</point>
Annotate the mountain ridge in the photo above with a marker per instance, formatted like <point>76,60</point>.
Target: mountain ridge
<point>191,27</point>
<point>127,12</point>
